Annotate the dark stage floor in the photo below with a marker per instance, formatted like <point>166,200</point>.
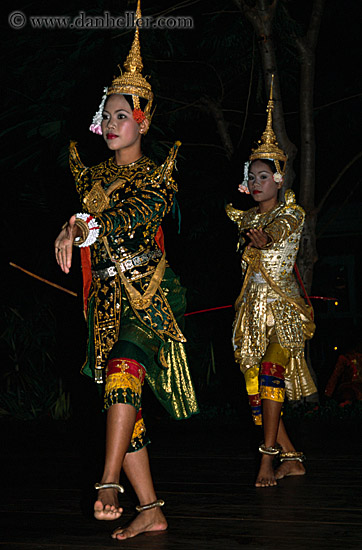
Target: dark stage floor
<point>206,478</point>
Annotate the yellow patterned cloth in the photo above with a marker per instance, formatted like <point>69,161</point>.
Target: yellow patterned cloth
<point>270,299</point>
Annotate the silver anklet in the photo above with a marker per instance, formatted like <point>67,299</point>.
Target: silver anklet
<point>119,488</point>
<point>292,455</point>
<point>156,504</point>
<point>271,451</point>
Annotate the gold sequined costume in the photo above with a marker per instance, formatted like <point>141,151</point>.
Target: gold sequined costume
<point>272,321</point>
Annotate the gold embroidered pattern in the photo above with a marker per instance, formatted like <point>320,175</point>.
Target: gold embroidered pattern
<point>274,394</point>
<point>124,381</point>
<point>96,200</point>
<point>138,431</point>
<point>124,385</point>
<point>106,318</point>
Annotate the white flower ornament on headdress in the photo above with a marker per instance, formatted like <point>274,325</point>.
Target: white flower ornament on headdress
<point>243,187</point>
<point>277,177</point>
<point>95,127</point>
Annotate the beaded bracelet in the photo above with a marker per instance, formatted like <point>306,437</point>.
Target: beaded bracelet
<point>93,228</point>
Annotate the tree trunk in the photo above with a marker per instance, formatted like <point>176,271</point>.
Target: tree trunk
<point>261,16</point>
<point>307,255</point>
<point>222,126</point>
<point>306,47</point>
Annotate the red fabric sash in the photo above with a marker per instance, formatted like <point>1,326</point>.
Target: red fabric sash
<point>87,275</point>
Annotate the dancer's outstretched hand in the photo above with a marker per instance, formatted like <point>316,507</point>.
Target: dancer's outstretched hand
<point>258,238</point>
<point>64,245</point>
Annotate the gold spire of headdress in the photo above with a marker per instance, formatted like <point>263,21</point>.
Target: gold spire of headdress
<point>131,82</point>
<point>268,148</point>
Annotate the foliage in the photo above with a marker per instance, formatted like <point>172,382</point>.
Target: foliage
<point>30,387</point>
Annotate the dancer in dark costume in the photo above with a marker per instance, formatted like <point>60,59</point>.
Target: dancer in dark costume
<point>134,303</point>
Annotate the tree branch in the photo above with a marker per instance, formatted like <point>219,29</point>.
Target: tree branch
<point>315,22</point>
<point>187,144</point>
<point>338,179</point>
<point>261,16</point>
<point>221,124</point>
<point>339,209</point>
<point>306,46</point>
<point>249,94</point>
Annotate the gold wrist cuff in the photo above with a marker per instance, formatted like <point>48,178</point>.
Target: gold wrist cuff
<point>84,229</point>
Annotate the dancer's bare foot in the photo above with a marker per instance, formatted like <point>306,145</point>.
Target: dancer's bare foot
<point>266,476</point>
<point>289,468</point>
<point>106,507</point>
<point>147,521</point>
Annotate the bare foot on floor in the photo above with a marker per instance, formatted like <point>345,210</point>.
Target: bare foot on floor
<point>290,468</point>
<point>266,477</point>
<point>147,521</point>
<point>106,507</point>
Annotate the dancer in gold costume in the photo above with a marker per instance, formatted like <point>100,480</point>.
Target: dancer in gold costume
<point>134,303</point>
<point>272,320</point>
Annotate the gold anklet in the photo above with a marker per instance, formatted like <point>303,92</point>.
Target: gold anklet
<point>155,504</point>
<point>292,455</point>
<point>119,488</point>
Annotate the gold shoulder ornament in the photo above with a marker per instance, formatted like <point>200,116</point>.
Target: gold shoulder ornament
<point>76,165</point>
<point>289,197</point>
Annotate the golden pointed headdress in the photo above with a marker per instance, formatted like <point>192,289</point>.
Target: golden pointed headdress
<point>268,148</point>
<point>130,82</point>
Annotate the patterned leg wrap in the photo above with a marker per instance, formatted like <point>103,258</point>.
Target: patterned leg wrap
<point>272,385</point>
<point>251,376</point>
<point>255,404</point>
<point>124,381</point>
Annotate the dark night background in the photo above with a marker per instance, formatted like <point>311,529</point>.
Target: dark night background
<point>52,84</point>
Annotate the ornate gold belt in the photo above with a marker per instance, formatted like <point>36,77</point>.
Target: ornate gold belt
<point>137,261</point>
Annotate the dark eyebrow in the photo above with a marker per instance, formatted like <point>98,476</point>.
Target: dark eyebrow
<point>260,172</point>
<point>118,111</point>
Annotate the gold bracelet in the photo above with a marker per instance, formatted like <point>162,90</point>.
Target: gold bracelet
<point>83,226</point>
